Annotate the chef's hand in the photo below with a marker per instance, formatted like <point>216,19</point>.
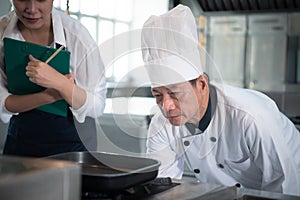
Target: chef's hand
<point>44,75</point>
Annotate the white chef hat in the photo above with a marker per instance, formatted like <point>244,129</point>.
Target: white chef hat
<point>170,47</point>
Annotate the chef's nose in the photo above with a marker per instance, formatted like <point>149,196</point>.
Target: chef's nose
<point>168,103</point>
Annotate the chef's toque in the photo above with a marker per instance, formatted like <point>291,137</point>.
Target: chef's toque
<point>170,47</point>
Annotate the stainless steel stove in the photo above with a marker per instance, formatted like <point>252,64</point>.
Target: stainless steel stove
<point>142,191</point>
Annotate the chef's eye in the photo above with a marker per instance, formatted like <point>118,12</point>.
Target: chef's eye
<point>174,94</point>
<point>158,97</point>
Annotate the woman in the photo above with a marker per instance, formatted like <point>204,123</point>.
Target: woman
<point>36,133</point>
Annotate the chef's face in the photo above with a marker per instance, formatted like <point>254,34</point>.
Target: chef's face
<point>182,102</point>
<point>34,14</point>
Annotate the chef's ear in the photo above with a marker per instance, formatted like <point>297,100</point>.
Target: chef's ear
<point>202,81</point>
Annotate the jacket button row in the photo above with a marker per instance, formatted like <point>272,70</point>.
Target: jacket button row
<point>186,143</point>
<point>197,171</point>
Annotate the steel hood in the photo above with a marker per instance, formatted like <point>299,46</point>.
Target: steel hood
<point>206,7</point>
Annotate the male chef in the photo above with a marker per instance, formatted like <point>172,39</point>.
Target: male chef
<point>226,135</point>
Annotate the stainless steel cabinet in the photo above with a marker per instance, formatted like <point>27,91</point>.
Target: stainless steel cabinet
<point>266,52</point>
<point>226,46</point>
<point>294,48</point>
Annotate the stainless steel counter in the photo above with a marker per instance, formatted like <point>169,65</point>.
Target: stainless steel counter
<point>243,193</point>
<point>195,190</point>
<point>36,179</point>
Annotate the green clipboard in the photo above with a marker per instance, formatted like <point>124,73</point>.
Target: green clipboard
<point>16,54</point>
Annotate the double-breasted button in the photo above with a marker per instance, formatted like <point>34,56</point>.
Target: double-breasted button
<point>221,165</point>
<point>197,171</point>
<point>186,143</point>
<point>213,139</point>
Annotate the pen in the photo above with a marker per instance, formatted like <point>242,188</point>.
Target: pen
<point>54,54</point>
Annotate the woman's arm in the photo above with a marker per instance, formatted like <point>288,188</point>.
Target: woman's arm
<point>23,103</point>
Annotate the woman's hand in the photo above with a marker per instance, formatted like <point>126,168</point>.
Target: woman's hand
<point>70,77</point>
<point>47,96</point>
<point>52,95</point>
<point>44,75</point>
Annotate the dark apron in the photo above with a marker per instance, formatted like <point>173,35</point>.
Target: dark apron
<point>37,134</point>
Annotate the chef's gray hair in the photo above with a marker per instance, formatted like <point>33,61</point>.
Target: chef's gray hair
<point>193,82</point>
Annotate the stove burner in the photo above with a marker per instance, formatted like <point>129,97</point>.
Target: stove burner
<point>137,192</point>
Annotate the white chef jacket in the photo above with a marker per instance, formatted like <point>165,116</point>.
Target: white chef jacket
<point>248,141</point>
<point>85,62</point>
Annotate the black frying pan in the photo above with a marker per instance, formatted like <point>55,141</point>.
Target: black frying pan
<point>105,172</point>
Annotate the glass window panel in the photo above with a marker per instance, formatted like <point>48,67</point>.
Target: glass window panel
<point>63,4</point>
<point>109,71</point>
<point>119,15</point>
<point>89,7</point>
<point>74,16</point>
<point>106,44</point>
<point>123,10</point>
<point>106,8</point>
<point>121,68</point>
<point>74,5</point>
<point>135,59</point>
<point>121,28</point>
<point>90,24</point>
<point>56,3</point>
<point>106,30</point>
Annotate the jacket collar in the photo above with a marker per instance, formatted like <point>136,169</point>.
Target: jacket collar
<point>58,29</point>
<point>12,30</point>
<point>205,121</point>
<point>208,140</point>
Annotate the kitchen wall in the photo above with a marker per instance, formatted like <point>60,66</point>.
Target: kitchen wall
<point>253,44</point>
<point>257,51</point>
